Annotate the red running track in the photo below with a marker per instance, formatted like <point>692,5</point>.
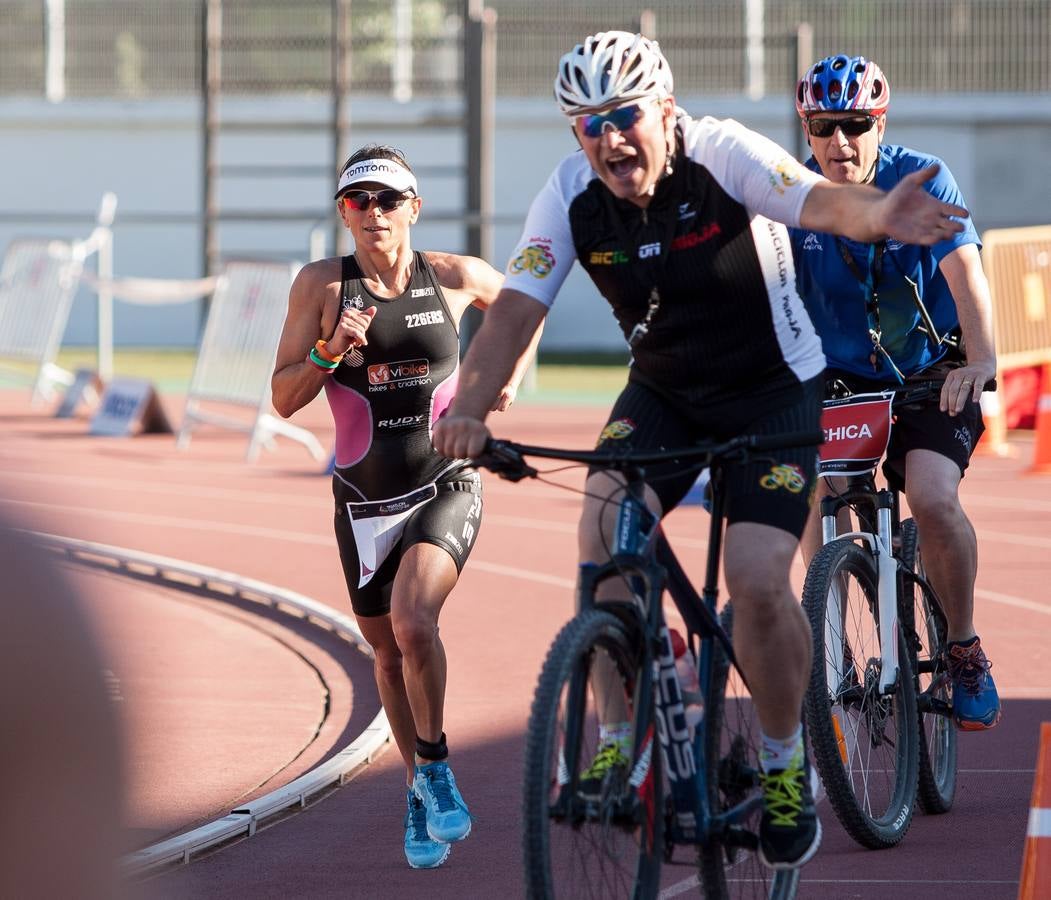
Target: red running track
<point>207,730</point>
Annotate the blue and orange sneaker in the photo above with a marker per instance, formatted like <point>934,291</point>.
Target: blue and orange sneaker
<point>420,850</point>
<point>975,703</point>
<point>447,817</point>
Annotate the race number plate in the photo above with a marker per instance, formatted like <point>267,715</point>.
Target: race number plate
<point>857,431</point>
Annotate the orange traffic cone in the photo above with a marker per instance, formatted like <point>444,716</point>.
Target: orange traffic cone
<point>1042,453</point>
<point>993,441</point>
<point>1036,861</point>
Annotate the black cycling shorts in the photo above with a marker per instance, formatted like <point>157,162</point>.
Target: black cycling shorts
<point>923,426</point>
<point>451,521</point>
<point>776,490</point>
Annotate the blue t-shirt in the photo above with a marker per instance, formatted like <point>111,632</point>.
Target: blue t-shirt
<point>836,299</point>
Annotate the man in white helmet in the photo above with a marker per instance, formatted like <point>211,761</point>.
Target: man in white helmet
<point>680,223</point>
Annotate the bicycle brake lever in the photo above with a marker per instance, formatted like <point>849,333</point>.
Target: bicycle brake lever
<point>501,460</point>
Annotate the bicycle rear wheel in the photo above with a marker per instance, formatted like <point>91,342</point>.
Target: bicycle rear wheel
<point>583,839</point>
<point>928,632</point>
<point>729,863</point>
<point>865,743</point>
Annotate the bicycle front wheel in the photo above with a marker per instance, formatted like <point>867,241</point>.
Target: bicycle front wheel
<point>928,633</point>
<point>591,837</point>
<point>865,741</point>
<point>729,863</point>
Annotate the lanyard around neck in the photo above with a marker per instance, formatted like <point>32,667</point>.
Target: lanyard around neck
<point>632,248</point>
<point>642,327</point>
<point>870,282</point>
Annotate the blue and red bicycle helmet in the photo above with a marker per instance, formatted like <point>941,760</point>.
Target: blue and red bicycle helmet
<point>843,84</point>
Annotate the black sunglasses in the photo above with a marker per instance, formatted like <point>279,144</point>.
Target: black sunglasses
<point>852,126</point>
<point>362,200</point>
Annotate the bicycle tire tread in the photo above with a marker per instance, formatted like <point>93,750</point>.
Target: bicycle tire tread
<point>869,832</point>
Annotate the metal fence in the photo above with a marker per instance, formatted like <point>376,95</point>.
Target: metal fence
<point>149,48</point>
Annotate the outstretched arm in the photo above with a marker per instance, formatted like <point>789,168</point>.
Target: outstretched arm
<point>908,213</point>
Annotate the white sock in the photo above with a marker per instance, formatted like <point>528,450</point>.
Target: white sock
<point>616,732</point>
<point>778,754</point>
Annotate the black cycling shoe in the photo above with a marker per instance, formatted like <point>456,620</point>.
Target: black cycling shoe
<point>789,831</point>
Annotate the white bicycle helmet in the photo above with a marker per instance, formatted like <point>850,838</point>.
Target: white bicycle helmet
<point>609,68</point>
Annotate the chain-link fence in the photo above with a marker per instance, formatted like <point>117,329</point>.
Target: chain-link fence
<point>149,48</point>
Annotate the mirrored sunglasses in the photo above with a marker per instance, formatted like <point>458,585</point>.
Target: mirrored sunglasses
<point>362,200</point>
<point>623,118</point>
<point>851,126</point>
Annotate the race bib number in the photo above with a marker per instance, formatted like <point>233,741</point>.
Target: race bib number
<point>378,526</point>
<point>857,431</point>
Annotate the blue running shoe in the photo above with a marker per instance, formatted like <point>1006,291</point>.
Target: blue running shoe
<point>975,703</point>
<point>447,817</point>
<point>420,850</point>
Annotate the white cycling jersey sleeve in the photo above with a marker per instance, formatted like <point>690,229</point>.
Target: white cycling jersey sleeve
<point>544,254</point>
<point>759,174</point>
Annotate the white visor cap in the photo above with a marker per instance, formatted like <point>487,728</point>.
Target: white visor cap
<point>387,172</point>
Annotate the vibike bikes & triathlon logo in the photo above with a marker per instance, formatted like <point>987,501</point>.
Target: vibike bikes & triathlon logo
<point>397,375</point>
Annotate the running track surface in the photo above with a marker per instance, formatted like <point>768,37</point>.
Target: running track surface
<point>221,702</point>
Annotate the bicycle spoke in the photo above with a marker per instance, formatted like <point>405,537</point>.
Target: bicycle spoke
<point>730,865</point>
<point>937,771</point>
<point>865,742</point>
<point>588,836</point>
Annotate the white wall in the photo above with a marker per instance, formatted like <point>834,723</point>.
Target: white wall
<point>59,159</point>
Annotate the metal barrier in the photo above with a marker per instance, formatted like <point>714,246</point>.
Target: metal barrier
<point>37,285</point>
<point>153,49</point>
<point>38,282</point>
<point>237,354</point>
<point>1017,262</point>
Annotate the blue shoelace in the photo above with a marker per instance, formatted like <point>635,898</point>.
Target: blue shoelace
<point>418,821</point>
<point>441,789</point>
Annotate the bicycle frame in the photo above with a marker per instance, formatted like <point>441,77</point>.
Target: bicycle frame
<point>880,542</point>
<point>710,797</point>
<point>633,560</point>
<point>866,428</point>
<point>642,556</point>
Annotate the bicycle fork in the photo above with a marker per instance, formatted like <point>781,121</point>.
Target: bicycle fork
<point>635,531</point>
<point>879,545</point>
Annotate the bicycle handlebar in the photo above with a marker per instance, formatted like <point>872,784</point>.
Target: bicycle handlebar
<point>914,392</point>
<point>505,458</point>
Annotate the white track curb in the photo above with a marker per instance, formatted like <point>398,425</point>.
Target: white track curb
<point>242,821</point>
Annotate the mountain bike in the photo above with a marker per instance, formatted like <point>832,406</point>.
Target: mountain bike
<point>696,789</point>
<point>879,703</point>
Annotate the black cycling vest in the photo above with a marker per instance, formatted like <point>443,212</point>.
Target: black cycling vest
<point>713,333</point>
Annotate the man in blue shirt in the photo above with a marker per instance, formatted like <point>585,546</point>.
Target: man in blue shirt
<point>889,312</point>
